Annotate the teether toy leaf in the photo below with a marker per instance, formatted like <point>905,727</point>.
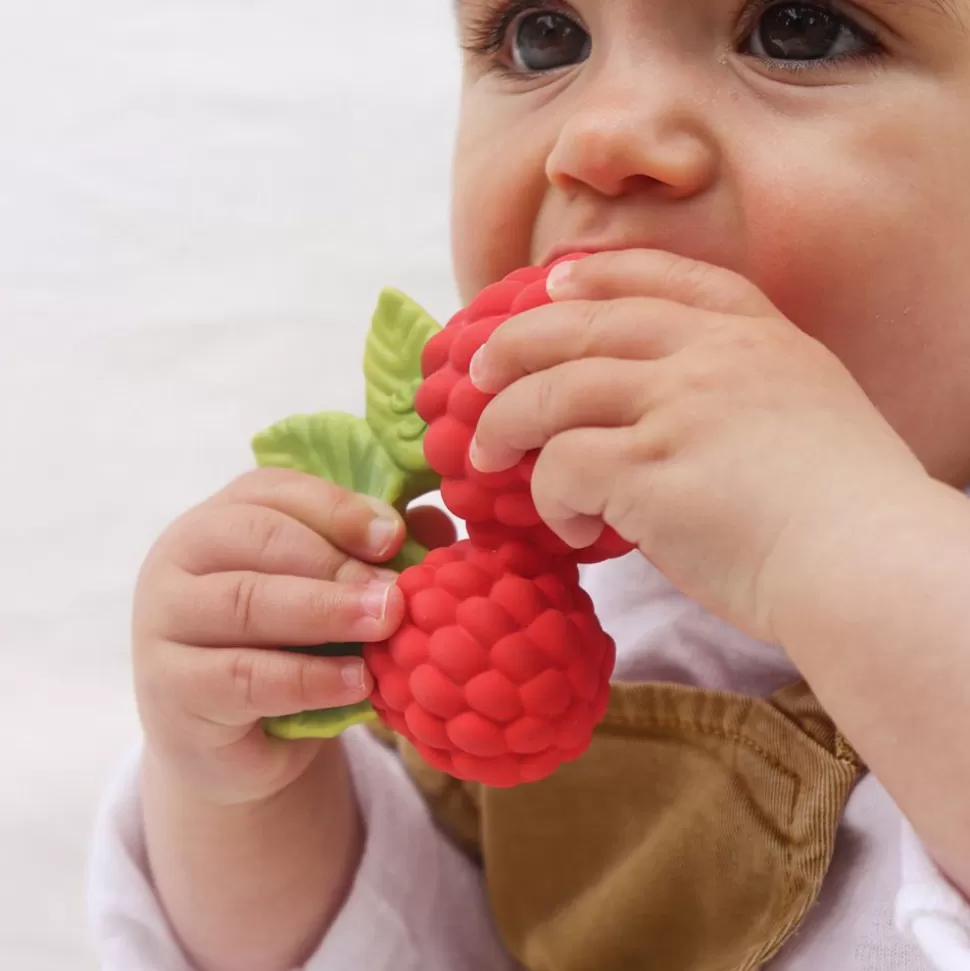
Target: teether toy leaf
<point>328,723</point>
<point>334,446</point>
<point>344,450</point>
<point>381,456</point>
<point>392,365</point>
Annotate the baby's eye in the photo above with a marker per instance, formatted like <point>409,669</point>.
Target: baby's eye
<point>805,32</point>
<point>547,41</point>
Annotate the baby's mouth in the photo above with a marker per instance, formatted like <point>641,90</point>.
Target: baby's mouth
<point>590,246</point>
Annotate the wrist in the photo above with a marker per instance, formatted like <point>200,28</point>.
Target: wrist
<point>877,625</point>
<point>168,790</point>
<point>256,883</point>
<point>846,553</point>
<point>223,783</point>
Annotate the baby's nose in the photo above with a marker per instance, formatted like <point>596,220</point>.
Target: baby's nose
<point>625,134</point>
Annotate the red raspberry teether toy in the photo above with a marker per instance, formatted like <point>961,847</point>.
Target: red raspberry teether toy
<point>500,671</point>
<point>496,507</point>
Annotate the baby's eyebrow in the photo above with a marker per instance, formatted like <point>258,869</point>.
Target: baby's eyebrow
<point>948,9</point>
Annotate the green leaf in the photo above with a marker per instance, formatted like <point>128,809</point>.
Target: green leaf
<point>410,554</point>
<point>328,723</point>
<point>392,365</point>
<point>334,446</point>
<point>344,450</point>
<point>382,456</point>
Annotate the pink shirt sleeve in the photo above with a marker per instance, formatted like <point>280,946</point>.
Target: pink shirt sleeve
<point>417,903</point>
<point>930,910</point>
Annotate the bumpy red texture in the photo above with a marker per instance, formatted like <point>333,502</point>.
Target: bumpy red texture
<point>498,507</point>
<point>500,670</point>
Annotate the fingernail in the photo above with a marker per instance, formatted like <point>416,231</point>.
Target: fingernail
<point>497,460</point>
<point>477,370</point>
<point>381,535</point>
<point>383,530</point>
<point>475,455</point>
<point>559,278</point>
<point>374,599</point>
<point>353,675</point>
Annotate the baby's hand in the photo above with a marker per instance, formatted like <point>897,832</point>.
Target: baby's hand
<point>278,559</point>
<point>671,400</point>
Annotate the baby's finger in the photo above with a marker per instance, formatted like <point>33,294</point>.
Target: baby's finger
<point>359,525</point>
<point>581,394</point>
<point>659,274</point>
<point>578,482</point>
<point>221,537</point>
<point>257,609</point>
<point>238,686</point>
<point>631,329</point>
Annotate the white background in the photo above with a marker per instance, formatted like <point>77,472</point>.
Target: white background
<point>199,201</point>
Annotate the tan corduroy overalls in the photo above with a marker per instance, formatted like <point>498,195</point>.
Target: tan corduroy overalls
<point>694,834</point>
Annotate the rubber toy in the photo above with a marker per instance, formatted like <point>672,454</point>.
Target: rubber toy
<point>500,671</point>
<point>496,507</point>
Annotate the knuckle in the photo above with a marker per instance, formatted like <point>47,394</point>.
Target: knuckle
<point>303,686</point>
<point>270,477</point>
<point>547,400</point>
<point>653,443</point>
<point>623,506</point>
<point>261,530</point>
<point>556,457</point>
<point>504,339</point>
<point>629,504</point>
<point>177,538</point>
<point>344,505</point>
<point>596,322</point>
<point>324,601</point>
<point>515,348</point>
<point>348,570</point>
<point>689,277</point>
<point>269,486</point>
<point>250,482</point>
<point>244,679</point>
<point>244,595</point>
<point>715,287</point>
<point>704,377</point>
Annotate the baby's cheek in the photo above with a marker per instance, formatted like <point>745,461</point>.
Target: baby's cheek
<point>496,195</point>
<point>490,233</point>
<point>883,291</point>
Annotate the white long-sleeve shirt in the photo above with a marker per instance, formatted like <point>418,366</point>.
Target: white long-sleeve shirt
<point>418,904</point>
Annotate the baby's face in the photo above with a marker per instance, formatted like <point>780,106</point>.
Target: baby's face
<point>820,149</point>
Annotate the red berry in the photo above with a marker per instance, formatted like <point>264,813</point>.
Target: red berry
<point>500,670</point>
<point>497,508</point>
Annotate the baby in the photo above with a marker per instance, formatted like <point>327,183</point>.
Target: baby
<point>761,377</point>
